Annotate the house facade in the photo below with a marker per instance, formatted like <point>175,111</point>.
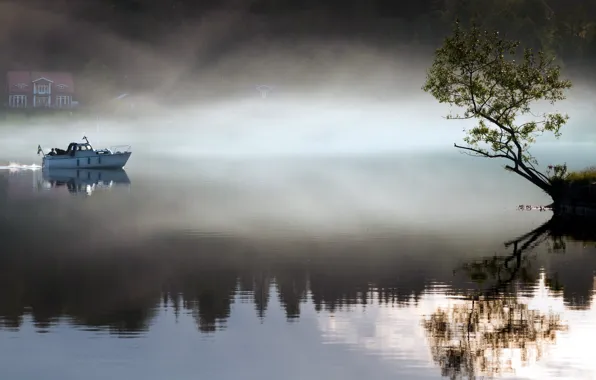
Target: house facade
<point>34,89</point>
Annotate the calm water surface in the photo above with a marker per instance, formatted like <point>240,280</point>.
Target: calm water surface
<point>304,269</point>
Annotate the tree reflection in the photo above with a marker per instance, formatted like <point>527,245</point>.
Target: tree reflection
<point>481,337</point>
<point>491,329</point>
<point>120,289</point>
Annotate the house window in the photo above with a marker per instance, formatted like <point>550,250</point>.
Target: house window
<point>63,101</point>
<point>43,88</point>
<point>17,101</point>
<point>61,86</point>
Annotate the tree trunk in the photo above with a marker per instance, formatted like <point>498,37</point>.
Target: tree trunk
<point>558,193</point>
<point>555,206</point>
<point>528,175</point>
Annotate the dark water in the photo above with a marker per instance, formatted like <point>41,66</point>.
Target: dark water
<point>377,268</point>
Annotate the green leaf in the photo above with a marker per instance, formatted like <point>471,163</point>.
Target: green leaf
<point>492,80</point>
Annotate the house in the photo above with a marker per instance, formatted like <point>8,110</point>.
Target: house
<point>35,89</point>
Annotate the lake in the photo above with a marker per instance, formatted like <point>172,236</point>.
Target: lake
<point>386,267</point>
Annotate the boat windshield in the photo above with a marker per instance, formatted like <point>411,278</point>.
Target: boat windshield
<point>85,147</point>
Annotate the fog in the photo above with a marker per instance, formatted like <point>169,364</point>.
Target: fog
<point>345,139</point>
<point>253,126</point>
<point>440,194</point>
<point>194,90</point>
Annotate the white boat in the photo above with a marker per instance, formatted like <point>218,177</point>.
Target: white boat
<point>83,180</point>
<point>83,156</point>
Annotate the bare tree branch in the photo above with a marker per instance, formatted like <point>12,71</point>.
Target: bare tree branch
<point>482,153</point>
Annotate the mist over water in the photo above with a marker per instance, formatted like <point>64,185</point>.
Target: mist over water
<point>247,128</point>
<point>199,98</point>
<point>297,196</point>
<point>303,235</point>
<point>250,164</point>
<point>255,127</point>
<point>341,156</point>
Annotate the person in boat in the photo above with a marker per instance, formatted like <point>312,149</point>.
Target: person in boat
<point>57,152</point>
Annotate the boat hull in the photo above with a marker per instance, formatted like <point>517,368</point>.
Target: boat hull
<point>100,161</point>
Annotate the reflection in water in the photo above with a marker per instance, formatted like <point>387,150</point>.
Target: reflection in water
<point>501,271</point>
<point>82,181</point>
<point>490,336</point>
<point>118,289</point>
<point>493,331</point>
<point>365,291</point>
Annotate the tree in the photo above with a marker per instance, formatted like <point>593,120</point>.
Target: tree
<point>476,71</point>
<point>475,338</point>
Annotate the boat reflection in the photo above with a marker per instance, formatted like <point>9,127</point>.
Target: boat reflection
<point>83,181</point>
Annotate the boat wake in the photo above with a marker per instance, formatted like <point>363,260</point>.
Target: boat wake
<point>15,166</point>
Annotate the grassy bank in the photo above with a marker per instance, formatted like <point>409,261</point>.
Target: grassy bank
<point>576,187</point>
<point>586,176</point>
<point>558,175</point>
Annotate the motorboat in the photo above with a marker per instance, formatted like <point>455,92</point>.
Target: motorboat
<point>84,181</point>
<point>82,155</point>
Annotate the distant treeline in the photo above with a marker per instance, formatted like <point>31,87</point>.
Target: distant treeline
<point>567,28</point>
<point>111,43</point>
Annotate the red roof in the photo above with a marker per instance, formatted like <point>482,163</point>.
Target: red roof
<point>22,81</point>
<point>19,81</point>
